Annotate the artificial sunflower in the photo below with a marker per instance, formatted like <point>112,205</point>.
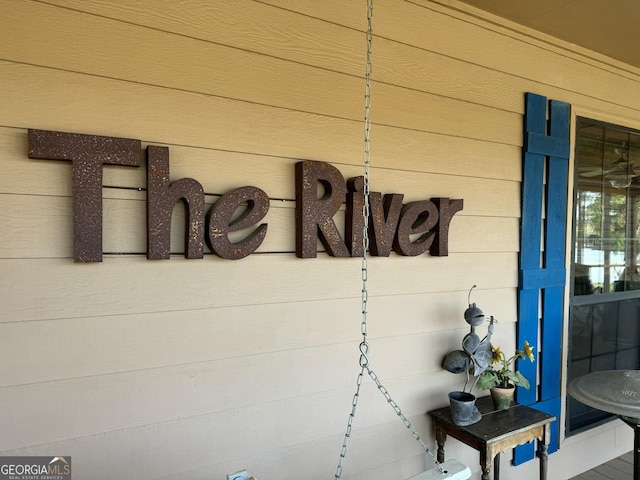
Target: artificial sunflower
<point>528,351</point>
<point>496,355</point>
<point>504,376</point>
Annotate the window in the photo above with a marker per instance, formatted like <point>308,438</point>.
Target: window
<point>605,296</point>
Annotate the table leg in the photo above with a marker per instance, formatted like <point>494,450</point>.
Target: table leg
<point>543,453</point>
<point>485,463</point>
<point>441,437</point>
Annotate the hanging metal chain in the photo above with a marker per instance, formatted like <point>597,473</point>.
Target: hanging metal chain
<point>364,345</point>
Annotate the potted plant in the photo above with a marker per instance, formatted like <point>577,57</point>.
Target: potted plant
<point>501,379</point>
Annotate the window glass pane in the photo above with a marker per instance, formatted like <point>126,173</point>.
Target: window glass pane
<point>627,359</point>
<point>606,211</point>
<point>583,320</point>
<point>605,302</point>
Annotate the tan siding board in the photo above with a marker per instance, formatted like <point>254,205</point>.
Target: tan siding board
<point>188,442</point>
<point>259,128</point>
<point>84,347</point>
<point>68,290</point>
<point>393,443</point>
<point>440,29</point>
<point>138,54</point>
<point>26,233</point>
<point>246,25</point>
<point>199,458</point>
<point>331,409</point>
<point>207,388</point>
<point>415,55</point>
<point>48,99</point>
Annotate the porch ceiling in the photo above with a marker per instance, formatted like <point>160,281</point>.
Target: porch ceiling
<point>609,27</point>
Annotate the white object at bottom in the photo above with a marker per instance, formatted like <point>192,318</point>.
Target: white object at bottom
<point>451,470</point>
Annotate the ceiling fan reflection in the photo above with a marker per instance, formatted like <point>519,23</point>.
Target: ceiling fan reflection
<point>620,174</point>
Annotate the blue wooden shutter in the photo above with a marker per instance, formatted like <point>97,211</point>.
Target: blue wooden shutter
<point>542,254</point>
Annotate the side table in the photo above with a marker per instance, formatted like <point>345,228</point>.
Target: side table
<point>498,431</point>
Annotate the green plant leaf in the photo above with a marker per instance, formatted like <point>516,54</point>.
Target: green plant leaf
<point>487,380</point>
<point>522,380</point>
<point>512,377</point>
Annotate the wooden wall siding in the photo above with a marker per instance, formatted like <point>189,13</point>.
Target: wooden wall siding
<point>192,369</point>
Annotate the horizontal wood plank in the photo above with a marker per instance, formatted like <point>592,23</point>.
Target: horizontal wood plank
<point>100,345</point>
<point>330,36</point>
<point>204,120</point>
<point>192,441</point>
<point>212,282</point>
<point>524,55</point>
<point>221,386</point>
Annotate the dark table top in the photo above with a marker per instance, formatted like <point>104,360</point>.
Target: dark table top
<point>496,424</point>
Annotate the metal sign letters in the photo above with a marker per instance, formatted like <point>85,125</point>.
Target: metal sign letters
<point>408,229</point>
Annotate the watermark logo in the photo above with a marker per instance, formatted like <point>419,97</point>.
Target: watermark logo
<point>35,468</point>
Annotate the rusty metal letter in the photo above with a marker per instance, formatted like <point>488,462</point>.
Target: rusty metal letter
<point>447,208</point>
<point>417,218</point>
<point>314,216</point>
<point>384,216</point>
<point>354,219</point>
<point>161,198</point>
<point>384,221</point>
<point>220,222</point>
<point>87,153</point>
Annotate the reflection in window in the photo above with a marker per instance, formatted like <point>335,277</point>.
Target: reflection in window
<point>606,243</point>
<point>605,305</point>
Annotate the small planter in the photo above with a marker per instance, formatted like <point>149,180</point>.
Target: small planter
<point>502,397</point>
<point>463,408</point>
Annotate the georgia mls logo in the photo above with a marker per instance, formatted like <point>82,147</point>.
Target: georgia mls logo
<point>35,468</point>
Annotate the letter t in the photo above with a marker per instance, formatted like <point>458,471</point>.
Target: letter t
<point>87,153</point>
